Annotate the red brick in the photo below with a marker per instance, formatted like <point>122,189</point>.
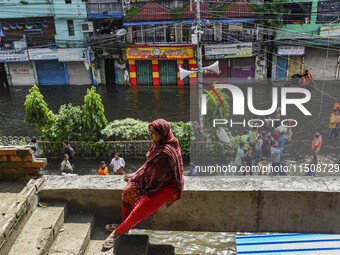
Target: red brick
<point>31,170</point>
<point>23,152</point>
<point>14,158</point>
<point>28,158</point>
<point>10,164</point>
<point>42,159</point>
<point>3,158</point>
<point>9,170</point>
<point>39,164</point>
<point>4,152</point>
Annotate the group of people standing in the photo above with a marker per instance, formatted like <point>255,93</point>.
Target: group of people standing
<point>258,146</point>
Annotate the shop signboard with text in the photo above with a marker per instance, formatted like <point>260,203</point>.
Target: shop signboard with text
<point>42,54</point>
<point>159,52</point>
<point>330,30</point>
<point>229,51</point>
<point>13,56</point>
<point>291,51</point>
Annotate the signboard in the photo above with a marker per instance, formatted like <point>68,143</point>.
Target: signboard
<point>160,52</point>
<point>71,54</point>
<point>236,27</point>
<point>42,54</point>
<point>229,51</point>
<point>13,56</point>
<point>20,71</point>
<point>332,30</point>
<point>20,45</point>
<point>291,50</point>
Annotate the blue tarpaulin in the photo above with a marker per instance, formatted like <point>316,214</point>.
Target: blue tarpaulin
<point>2,33</point>
<point>105,15</point>
<point>289,244</point>
<point>187,21</point>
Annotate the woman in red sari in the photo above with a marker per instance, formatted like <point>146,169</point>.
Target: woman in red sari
<point>158,181</point>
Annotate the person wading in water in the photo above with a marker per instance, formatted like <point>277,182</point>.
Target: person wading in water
<point>160,180</point>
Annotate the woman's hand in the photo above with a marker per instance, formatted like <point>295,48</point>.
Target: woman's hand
<point>128,177</point>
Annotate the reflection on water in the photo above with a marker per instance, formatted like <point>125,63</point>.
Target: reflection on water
<point>203,243</point>
<point>120,102</point>
<point>172,104</point>
<point>91,166</point>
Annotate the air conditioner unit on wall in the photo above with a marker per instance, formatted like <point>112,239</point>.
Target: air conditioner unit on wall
<point>87,27</point>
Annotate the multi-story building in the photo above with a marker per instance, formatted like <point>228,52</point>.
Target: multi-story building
<point>308,40</point>
<point>107,38</point>
<point>42,42</point>
<point>159,41</point>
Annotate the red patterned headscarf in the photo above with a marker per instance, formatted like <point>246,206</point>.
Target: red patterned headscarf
<point>170,146</point>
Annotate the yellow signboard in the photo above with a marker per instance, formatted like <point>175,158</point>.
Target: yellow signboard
<point>159,52</point>
<point>236,27</point>
<point>332,30</point>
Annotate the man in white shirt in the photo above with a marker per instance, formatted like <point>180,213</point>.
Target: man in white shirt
<point>118,164</point>
<point>126,77</point>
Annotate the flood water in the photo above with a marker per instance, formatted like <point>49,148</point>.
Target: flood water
<point>173,104</point>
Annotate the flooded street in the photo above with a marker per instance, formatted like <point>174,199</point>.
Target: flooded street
<point>172,103</point>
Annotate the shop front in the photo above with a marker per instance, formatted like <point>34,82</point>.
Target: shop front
<point>288,62</point>
<point>159,65</point>
<point>236,63</point>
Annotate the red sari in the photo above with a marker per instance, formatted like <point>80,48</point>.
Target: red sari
<point>159,181</point>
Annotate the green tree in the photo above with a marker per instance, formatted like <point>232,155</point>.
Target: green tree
<point>93,115</point>
<point>214,108</point>
<point>37,113</point>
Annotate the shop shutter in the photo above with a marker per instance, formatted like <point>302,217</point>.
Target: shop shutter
<point>144,73</point>
<point>51,73</point>
<point>281,69</point>
<point>186,67</point>
<point>295,66</point>
<point>167,72</point>
<point>242,70</point>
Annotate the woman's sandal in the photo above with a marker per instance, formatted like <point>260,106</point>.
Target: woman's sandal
<point>111,227</point>
<point>110,242</point>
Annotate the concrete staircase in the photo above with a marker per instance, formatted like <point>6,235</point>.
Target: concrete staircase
<point>52,230</point>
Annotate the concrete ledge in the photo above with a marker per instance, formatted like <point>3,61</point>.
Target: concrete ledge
<point>18,213</point>
<point>245,204</point>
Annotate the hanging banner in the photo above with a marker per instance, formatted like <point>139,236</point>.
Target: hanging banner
<point>160,52</point>
<point>229,51</point>
<point>42,54</point>
<point>291,51</point>
<point>13,56</point>
<point>332,30</point>
<point>71,54</point>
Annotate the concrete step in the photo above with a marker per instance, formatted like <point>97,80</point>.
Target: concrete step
<point>40,230</point>
<point>95,247</point>
<point>161,250</point>
<point>74,235</point>
<point>132,245</point>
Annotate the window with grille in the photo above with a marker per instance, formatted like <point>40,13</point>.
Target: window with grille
<point>328,11</point>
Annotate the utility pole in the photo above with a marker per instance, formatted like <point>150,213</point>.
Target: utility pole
<point>199,64</point>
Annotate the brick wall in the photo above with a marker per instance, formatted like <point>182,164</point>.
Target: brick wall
<point>18,162</point>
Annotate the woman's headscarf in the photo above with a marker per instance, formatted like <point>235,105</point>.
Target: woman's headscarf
<point>170,146</point>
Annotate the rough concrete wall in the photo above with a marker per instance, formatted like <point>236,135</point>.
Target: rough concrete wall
<point>18,162</point>
<point>22,73</point>
<point>315,63</point>
<point>287,204</point>
<point>78,74</point>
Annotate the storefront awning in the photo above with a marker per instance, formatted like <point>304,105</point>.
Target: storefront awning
<point>105,15</point>
<point>127,24</point>
<point>187,21</point>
